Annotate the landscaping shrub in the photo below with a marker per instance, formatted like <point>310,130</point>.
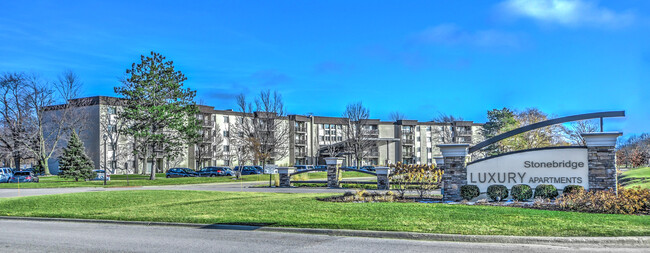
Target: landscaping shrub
<point>572,188</point>
<point>497,192</point>
<point>545,191</point>
<point>521,192</point>
<point>469,192</point>
<point>422,178</point>
<point>629,201</point>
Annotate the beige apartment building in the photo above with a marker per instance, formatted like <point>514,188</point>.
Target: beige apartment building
<point>311,138</point>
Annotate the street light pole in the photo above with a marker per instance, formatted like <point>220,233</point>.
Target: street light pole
<point>105,151</point>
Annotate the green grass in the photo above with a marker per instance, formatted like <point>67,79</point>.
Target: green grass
<point>303,210</point>
<point>142,180</point>
<point>636,178</point>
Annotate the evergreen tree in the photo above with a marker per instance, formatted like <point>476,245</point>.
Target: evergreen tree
<point>74,163</point>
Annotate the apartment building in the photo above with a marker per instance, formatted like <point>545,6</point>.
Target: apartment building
<point>311,138</point>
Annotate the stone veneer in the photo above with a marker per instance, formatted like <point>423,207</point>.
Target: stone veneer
<point>601,153</point>
<point>383,181</point>
<point>455,170</point>
<point>285,176</point>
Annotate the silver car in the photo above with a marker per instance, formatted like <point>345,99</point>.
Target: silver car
<point>5,174</point>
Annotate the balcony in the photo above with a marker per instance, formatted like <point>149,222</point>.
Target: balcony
<point>372,132</point>
<point>408,141</point>
<point>301,153</point>
<point>301,142</point>
<point>373,154</point>
<point>208,123</point>
<point>301,129</point>
<point>407,154</point>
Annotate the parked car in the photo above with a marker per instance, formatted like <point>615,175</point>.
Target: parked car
<point>181,172</point>
<point>349,167</point>
<point>368,168</point>
<point>215,171</point>
<point>248,170</point>
<point>304,167</point>
<point>101,174</point>
<point>259,169</point>
<point>23,177</point>
<point>320,167</point>
<point>6,174</point>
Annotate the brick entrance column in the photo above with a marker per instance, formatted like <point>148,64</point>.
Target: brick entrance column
<point>285,176</point>
<point>333,164</point>
<point>454,166</point>
<point>601,153</point>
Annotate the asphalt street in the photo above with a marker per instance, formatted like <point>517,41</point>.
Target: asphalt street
<point>47,236</point>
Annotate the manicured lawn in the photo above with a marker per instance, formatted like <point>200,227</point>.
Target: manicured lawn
<point>303,210</point>
<point>142,180</point>
<point>636,177</point>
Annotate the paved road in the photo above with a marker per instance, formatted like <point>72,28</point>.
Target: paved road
<point>42,236</point>
<point>234,187</point>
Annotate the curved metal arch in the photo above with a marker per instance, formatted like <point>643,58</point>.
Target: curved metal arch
<point>357,170</point>
<point>527,128</point>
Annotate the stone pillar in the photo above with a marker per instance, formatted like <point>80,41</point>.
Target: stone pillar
<point>601,156</point>
<point>383,183</point>
<point>333,164</point>
<point>285,176</point>
<point>454,166</point>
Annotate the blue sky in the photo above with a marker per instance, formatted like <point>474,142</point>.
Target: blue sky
<point>418,57</point>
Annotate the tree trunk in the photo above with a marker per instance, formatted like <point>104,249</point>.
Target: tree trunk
<point>17,160</point>
<point>153,165</point>
<point>46,167</point>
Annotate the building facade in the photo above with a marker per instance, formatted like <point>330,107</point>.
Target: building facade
<point>310,139</point>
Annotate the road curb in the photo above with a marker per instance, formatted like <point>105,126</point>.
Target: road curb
<point>627,241</point>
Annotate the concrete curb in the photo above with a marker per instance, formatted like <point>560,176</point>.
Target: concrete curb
<point>628,241</point>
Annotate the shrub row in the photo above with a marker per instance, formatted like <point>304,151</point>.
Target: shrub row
<point>520,192</point>
<point>627,201</point>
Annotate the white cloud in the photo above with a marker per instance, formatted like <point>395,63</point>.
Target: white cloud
<point>566,12</point>
<point>451,34</point>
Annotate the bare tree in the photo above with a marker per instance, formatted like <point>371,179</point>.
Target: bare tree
<point>14,112</point>
<point>48,126</point>
<point>396,115</point>
<point>445,131</point>
<point>573,132</point>
<point>262,130</point>
<point>209,145</point>
<point>357,131</point>
<point>116,142</point>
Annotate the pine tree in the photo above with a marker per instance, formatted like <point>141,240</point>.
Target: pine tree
<point>74,163</point>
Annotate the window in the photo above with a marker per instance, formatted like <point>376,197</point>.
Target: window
<point>226,134</point>
<point>429,150</point>
<point>226,148</point>
<point>110,110</point>
<point>111,128</point>
<point>225,119</point>
<point>340,138</point>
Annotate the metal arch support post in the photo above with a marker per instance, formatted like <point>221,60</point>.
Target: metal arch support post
<point>527,128</point>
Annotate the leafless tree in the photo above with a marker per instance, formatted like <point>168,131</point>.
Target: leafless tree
<point>46,126</point>
<point>396,115</point>
<point>262,128</point>
<point>14,112</point>
<point>209,146</point>
<point>573,132</point>
<point>357,131</point>
<point>445,131</point>
<point>118,144</point>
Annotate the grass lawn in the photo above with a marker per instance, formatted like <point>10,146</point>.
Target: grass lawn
<point>141,180</point>
<point>636,177</point>
<point>303,210</point>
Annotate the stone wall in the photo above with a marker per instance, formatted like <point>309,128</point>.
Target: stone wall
<point>602,168</point>
<point>454,177</point>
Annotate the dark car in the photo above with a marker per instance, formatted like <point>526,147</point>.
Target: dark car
<point>215,171</point>
<point>368,168</point>
<point>23,177</point>
<point>181,172</point>
<point>259,169</point>
<point>248,170</point>
<point>320,167</point>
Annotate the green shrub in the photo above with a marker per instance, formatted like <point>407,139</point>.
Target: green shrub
<point>497,192</point>
<point>546,191</point>
<point>469,192</point>
<point>521,192</point>
<point>572,189</point>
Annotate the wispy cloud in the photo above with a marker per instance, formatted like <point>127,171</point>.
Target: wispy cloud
<point>451,34</point>
<point>572,13</point>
